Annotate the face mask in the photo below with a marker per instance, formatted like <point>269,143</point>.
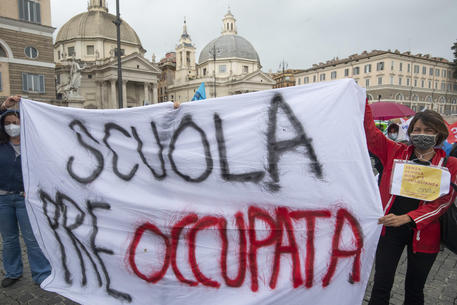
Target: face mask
<point>13,130</point>
<point>393,136</point>
<point>423,141</point>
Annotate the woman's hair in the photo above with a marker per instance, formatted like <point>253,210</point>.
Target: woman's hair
<point>393,128</point>
<point>4,137</point>
<point>433,120</point>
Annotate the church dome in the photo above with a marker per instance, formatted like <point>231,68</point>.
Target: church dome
<point>229,46</point>
<point>96,24</point>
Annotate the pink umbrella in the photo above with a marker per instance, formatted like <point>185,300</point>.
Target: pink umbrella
<point>388,110</point>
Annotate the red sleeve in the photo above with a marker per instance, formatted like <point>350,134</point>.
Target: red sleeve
<point>429,212</point>
<point>378,143</point>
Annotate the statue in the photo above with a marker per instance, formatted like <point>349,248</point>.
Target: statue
<point>70,89</point>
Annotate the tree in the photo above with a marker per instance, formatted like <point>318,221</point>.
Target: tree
<point>454,48</point>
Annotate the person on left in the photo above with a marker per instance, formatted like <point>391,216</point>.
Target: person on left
<point>13,213</point>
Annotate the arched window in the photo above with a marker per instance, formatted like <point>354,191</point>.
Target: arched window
<point>399,97</point>
<point>428,99</point>
<point>442,100</point>
<point>3,52</point>
<point>454,101</point>
<point>370,97</point>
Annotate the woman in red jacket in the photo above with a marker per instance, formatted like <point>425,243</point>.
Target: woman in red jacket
<point>408,222</point>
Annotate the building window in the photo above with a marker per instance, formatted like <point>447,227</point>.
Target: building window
<point>429,84</point>
<point>346,72</point>
<point>391,80</point>
<point>322,77</point>
<point>399,81</point>
<point>58,55</point>
<point>455,87</point>
<point>333,75</point>
<point>436,85</point>
<point>399,97</point>
<point>204,71</point>
<point>314,78</point>
<point>356,71</point>
<point>444,73</point>
<point>379,81</point>
<point>415,83</point>
<point>33,83</point>
<point>90,50</point>
<point>367,68</point>
<point>409,68</point>
<point>431,71</point>
<point>392,66</point>
<point>443,86</point>
<point>380,66</point>
<point>416,69</point>
<point>222,68</point>
<point>31,52</point>
<point>408,82</point>
<point>245,69</point>
<point>299,81</point>
<point>367,83</point>
<point>71,51</point>
<point>424,70</point>
<point>29,10</point>
<point>437,72</point>
<point>306,80</point>
<point>422,83</point>
<point>2,52</point>
<point>401,67</point>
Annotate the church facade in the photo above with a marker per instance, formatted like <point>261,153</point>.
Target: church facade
<point>86,64</point>
<point>227,65</point>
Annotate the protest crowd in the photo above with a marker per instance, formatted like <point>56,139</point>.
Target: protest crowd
<point>418,222</point>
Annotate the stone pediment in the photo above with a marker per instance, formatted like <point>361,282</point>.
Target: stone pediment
<point>134,62</point>
<point>257,77</point>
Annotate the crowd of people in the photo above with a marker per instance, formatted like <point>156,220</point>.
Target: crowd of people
<point>408,222</point>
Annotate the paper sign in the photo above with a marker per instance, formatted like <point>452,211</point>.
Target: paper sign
<point>420,181</point>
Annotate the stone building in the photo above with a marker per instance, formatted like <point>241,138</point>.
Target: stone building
<point>85,53</point>
<point>227,65</point>
<point>26,53</point>
<point>418,81</point>
<point>285,78</point>
<point>168,67</point>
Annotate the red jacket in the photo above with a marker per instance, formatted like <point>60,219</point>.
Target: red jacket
<point>426,236</point>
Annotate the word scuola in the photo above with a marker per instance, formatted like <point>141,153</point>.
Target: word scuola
<point>282,222</point>
<point>275,148</point>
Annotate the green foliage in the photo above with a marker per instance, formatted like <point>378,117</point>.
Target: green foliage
<point>454,48</point>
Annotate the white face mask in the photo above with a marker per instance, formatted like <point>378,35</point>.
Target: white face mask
<point>13,130</point>
<point>393,136</point>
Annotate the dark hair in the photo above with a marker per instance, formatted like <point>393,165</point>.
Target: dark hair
<point>433,120</point>
<point>393,127</point>
<point>4,137</point>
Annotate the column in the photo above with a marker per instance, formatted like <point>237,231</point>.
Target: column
<point>124,94</point>
<point>113,99</point>
<point>155,97</point>
<point>146,93</point>
<point>98,94</point>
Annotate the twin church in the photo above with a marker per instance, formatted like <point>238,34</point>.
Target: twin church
<point>86,65</point>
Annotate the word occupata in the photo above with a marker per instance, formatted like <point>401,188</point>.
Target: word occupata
<point>280,224</point>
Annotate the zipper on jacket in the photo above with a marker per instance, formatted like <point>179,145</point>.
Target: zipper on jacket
<point>418,235</point>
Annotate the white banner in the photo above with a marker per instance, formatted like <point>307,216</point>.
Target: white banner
<point>262,198</point>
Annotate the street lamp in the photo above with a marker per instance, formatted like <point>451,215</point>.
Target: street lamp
<point>118,22</point>
<point>214,52</point>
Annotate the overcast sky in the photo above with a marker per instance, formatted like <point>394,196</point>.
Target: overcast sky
<point>300,32</point>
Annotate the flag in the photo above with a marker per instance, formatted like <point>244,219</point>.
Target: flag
<point>200,94</point>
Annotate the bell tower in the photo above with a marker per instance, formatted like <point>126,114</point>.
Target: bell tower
<point>185,57</point>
